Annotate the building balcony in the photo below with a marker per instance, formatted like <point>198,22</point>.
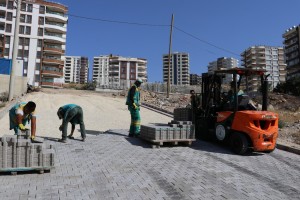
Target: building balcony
<point>53,49</point>
<point>55,37</point>
<point>56,16</point>
<point>52,73</point>
<point>52,26</point>
<point>52,61</point>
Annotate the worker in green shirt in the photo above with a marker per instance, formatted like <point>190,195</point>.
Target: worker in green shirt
<point>71,113</point>
<point>133,102</point>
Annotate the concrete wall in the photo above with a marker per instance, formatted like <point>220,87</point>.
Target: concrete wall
<point>20,84</point>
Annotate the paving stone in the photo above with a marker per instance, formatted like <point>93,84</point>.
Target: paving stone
<point>112,166</point>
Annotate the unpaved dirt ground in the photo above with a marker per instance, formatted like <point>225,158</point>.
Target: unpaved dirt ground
<point>101,112</point>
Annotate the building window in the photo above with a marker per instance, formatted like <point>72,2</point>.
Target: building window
<point>26,53</point>
<point>10,5</point>
<point>7,39</point>
<point>23,6</point>
<point>26,41</point>
<point>37,66</point>
<point>25,64</point>
<point>38,54</point>
<point>21,29</point>
<point>9,16</point>
<point>20,53</point>
<point>28,30</point>
<point>8,28</point>
<point>29,19</point>
<point>21,40</point>
<point>42,9</point>
<point>41,20</point>
<point>29,8</point>
<point>40,42</point>
<point>40,31</point>
<point>6,52</point>
<point>22,18</point>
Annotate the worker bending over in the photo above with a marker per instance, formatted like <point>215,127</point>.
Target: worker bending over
<point>21,114</point>
<point>133,102</point>
<point>71,113</point>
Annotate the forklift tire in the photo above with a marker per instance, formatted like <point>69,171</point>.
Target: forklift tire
<point>239,143</point>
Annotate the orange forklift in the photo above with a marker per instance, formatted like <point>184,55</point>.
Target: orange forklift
<point>230,118</point>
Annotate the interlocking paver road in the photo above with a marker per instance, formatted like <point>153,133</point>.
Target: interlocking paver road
<point>110,165</point>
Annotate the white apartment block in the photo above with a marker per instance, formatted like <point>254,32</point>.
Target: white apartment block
<point>42,38</point>
<point>270,59</point>
<point>223,63</point>
<point>117,71</point>
<point>179,68</point>
<point>75,69</point>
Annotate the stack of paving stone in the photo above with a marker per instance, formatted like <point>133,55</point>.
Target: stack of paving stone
<point>182,114</point>
<point>173,131</point>
<point>19,152</point>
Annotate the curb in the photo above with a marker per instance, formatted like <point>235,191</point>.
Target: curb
<point>288,148</point>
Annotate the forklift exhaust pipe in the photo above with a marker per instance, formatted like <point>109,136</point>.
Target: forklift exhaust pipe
<point>264,83</point>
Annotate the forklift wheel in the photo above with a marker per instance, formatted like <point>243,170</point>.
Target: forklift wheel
<point>239,143</point>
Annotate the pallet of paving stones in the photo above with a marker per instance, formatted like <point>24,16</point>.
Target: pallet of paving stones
<point>182,114</point>
<point>166,134</point>
<point>19,154</point>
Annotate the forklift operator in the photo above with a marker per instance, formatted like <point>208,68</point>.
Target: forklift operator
<point>244,101</point>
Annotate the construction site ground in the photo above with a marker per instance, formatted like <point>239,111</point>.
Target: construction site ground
<point>109,165</point>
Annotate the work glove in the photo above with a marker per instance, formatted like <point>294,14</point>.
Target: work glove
<point>22,127</point>
<point>135,106</point>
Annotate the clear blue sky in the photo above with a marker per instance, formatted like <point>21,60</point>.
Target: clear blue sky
<point>233,25</point>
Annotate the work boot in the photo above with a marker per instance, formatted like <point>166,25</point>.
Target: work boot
<point>83,139</point>
<point>70,137</point>
<point>130,135</point>
<point>62,140</point>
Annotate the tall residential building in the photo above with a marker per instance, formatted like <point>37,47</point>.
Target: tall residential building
<point>179,69</point>
<point>270,59</point>
<point>42,38</point>
<point>223,63</point>
<point>195,79</point>
<point>292,51</point>
<point>75,69</point>
<point>117,71</point>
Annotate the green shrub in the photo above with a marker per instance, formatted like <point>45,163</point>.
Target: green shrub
<point>281,124</point>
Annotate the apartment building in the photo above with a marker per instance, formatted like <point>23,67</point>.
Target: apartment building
<point>195,79</point>
<point>111,71</point>
<point>75,69</point>
<point>223,63</point>
<point>292,51</point>
<point>270,59</point>
<point>42,38</point>
<point>179,68</point>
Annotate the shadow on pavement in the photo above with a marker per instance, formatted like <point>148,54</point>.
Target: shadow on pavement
<point>119,132</point>
<point>213,147</point>
<point>92,132</point>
